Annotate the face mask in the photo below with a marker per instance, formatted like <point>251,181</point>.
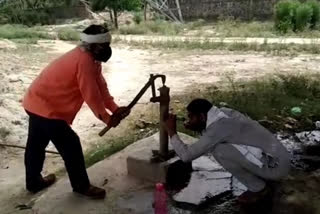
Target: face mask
<point>102,54</point>
<point>195,123</point>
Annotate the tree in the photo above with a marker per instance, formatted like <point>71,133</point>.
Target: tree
<point>34,4</point>
<point>27,11</point>
<point>117,6</point>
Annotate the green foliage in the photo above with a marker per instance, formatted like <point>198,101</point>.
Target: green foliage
<point>118,5</point>
<point>167,28</point>
<point>153,27</point>
<point>194,25</point>
<point>273,49</point>
<point>269,99</point>
<point>68,34</point>
<point>140,29</point>
<point>34,4</point>
<point>236,28</point>
<point>296,16</point>
<point>32,17</point>
<point>30,12</point>
<point>284,15</point>
<point>137,17</point>
<point>295,4</point>
<point>114,145</point>
<point>22,32</point>
<point>303,17</point>
<point>315,5</point>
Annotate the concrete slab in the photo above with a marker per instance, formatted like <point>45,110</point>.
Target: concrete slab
<point>59,199</point>
<point>137,202</point>
<point>206,163</point>
<point>140,166</point>
<point>204,185</point>
<point>208,181</point>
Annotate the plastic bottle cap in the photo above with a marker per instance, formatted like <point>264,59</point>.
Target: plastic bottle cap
<point>159,187</point>
<point>296,111</point>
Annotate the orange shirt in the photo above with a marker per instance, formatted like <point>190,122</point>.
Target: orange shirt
<point>62,87</point>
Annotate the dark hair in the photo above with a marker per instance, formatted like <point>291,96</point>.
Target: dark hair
<point>198,106</point>
<point>95,29</point>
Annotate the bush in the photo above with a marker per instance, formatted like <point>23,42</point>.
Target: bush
<point>30,17</point>
<point>154,27</point>
<point>296,16</point>
<point>315,12</point>
<point>284,13</point>
<point>134,29</point>
<point>22,32</point>
<point>164,27</point>
<point>303,17</point>
<point>137,17</point>
<point>295,4</point>
<point>68,34</point>
<point>196,24</point>
<point>270,99</point>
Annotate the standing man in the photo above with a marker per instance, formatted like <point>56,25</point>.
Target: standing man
<point>54,99</point>
<point>242,146</point>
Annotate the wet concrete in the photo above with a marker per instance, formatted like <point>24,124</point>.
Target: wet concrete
<point>202,185</point>
<point>137,202</point>
<point>211,190</point>
<point>305,149</point>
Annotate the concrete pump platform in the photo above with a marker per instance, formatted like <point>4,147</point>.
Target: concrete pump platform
<point>140,166</point>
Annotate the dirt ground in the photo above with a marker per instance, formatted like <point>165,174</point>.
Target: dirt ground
<point>126,73</point>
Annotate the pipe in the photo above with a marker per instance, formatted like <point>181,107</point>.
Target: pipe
<point>22,147</point>
<point>164,113</point>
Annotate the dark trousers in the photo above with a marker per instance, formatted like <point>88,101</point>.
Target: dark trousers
<point>67,142</point>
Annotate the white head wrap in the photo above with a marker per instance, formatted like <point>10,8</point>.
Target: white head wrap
<point>98,38</point>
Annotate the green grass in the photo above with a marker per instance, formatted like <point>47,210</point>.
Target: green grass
<point>158,27</point>
<point>23,32</point>
<point>26,41</point>
<point>113,145</point>
<point>30,35</point>
<point>233,28</point>
<point>219,28</point>
<point>268,100</point>
<point>196,24</point>
<point>68,34</point>
<point>236,28</point>
<point>274,49</point>
<point>103,151</point>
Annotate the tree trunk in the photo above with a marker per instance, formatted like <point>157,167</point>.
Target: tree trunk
<point>115,13</point>
<point>145,10</point>
<point>250,15</point>
<point>111,16</point>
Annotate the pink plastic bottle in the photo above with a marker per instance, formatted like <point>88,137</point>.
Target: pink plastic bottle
<point>160,200</point>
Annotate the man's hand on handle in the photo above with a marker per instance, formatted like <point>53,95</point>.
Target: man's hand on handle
<point>118,115</point>
<point>122,112</point>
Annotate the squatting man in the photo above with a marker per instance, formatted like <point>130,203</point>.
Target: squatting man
<point>241,145</point>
